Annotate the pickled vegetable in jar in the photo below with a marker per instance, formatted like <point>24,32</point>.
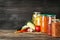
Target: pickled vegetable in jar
<point>37,20</point>
<point>49,29</point>
<point>56,28</point>
<point>50,16</point>
<point>44,23</point>
<point>34,17</point>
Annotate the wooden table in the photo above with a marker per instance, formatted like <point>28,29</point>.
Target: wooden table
<point>11,35</point>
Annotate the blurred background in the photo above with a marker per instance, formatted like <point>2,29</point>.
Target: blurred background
<point>14,13</point>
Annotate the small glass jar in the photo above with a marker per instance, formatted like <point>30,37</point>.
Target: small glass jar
<point>37,20</point>
<point>34,16</point>
<point>53,17</point>
<point>56,28</point>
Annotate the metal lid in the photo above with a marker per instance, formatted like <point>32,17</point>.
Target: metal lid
<point>56,20</point>
<point>44,14</point>
<point>37,12</point>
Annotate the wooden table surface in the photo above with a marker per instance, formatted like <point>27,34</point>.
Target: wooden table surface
<point>11,35</point>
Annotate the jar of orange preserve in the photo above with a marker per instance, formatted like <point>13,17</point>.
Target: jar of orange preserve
<point>49,29</point>
<point>56,28</point>
<point>44,23</point>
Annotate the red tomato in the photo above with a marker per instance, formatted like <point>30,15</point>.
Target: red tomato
<point>37,28</point>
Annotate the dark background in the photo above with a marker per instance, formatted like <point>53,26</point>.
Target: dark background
<point>14,13</point>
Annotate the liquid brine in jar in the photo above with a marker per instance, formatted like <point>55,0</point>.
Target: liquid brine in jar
<point>37,20</point>
<point>34,16</point>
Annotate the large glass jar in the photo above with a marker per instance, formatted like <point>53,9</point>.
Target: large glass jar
<point>49,29</point>
<point>51,16</point>
<point>44,23</point>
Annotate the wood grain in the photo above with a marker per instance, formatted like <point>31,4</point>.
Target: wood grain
<point>11,35</point>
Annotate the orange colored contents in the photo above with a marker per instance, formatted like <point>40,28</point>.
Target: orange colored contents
<point>44,24</point>
<point>56,29</point>
<point>49,31</point>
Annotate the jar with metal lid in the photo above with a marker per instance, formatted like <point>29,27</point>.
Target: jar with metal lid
<point>37,20</point>
<point>53,17</point>
<point>49,27</point>
<point>34,16</point>
<point>56,28</point>
<point>44,23</point>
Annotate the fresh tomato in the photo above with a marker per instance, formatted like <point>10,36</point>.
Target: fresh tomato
<point>37,28</point>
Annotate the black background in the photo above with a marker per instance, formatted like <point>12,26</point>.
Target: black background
<point>14,13</point>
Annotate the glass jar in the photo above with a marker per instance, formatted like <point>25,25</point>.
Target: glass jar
<point>37,20</point>
<point>44,23</point>
<point>50,18</point>
<point>53,17</point>
<point>49,29</point>
<point>34,16</point>
<point>56,28</point>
